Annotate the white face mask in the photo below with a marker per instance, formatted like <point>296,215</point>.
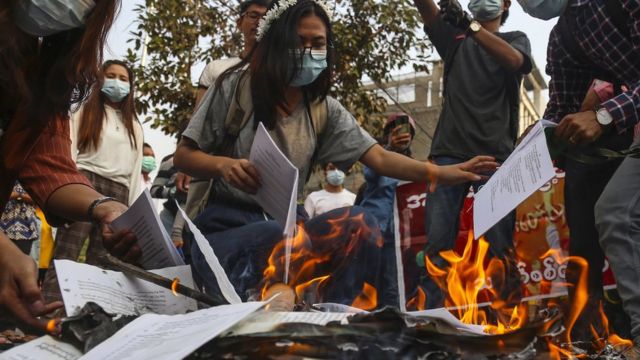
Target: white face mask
<point>544,9</point>
<point>47,17</point>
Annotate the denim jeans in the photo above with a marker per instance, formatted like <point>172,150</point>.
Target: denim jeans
<point>442,220</point>
<point>243,240</point>
<point>617,216</point>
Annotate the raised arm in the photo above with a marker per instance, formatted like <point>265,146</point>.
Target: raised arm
<point>398,166</point>
<point>428,10</point>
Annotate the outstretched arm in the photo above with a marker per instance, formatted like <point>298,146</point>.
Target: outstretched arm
<point>398,166</point>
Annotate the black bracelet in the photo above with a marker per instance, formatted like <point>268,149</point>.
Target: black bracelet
<point>95,204</point>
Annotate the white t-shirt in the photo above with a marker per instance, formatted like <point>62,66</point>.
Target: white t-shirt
<point>115,158</point>
<point>214,69</point>
<point>319,202</point>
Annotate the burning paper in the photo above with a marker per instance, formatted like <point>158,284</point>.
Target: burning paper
<point>160,337</point>
<point>117,293</point>
<point>45,347</point>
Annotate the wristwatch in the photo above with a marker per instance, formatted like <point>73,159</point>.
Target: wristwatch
<point>603,116</point>
<point>474,27</point>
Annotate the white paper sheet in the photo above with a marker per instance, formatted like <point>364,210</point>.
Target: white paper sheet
<point>157,248</point>
<point>117,293</point>
<point>159,337</point>
<point>227,289</point>
<point>264,321</point>
<point>279,188</point>
<point>527,169</point>
<point>45,347</point>
<point>446,316</point>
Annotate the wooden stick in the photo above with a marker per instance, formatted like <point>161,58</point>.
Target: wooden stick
<point>114,263</point>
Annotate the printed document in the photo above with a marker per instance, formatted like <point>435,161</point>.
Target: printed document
<point>45,347</point>
<point>159,337</point>
<point>278,193</point>
<point>158,251</point>
<point>525,171</point>
<point>117,293</point>
<point>265,321</point>
<point>227,289</point>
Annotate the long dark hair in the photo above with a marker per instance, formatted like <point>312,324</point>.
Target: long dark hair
<point>40,79</point>
<point>271,58</point>
<point>94,113</point>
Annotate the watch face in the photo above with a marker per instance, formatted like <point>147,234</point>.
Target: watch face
<point>603,117</point>
<point>475,26</point>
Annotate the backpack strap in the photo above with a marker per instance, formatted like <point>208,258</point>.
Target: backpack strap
<point>318,114</point>
<point>238,115</point>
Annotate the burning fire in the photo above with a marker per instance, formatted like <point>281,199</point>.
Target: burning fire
<point>366,300</point>
<point>316,260</point>
<point>52,326</point>
<point>174,286</point>
<point>470,276</point>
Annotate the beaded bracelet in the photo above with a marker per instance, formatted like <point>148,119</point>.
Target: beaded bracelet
<point>95,204</point>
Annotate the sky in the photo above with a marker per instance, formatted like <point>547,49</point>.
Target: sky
<point>537,31</point>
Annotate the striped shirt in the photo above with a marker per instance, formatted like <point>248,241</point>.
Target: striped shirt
<point>46,167</point>
<point>612,56</point>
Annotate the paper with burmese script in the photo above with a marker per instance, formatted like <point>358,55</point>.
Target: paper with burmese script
<point>160,337</point>
<point>45,347</point>
<point>265,321</point>
<point>227,289</point>
<point>527,169</point>
<point>117,293</point>
<point>278,192</point>
<point>142,219</point>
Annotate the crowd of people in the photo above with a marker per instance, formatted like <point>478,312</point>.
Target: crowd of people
<point>71,144</point>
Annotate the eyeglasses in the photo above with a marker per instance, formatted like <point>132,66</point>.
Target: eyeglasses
<point>316,53</point>
<point>253,15</point>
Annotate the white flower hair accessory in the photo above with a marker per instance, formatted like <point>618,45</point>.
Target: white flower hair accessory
<point>279,9</point>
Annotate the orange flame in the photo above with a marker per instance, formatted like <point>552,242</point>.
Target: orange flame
<point>466,278</point>
<point>52,326</point>
<point>312,264</point>
<point>174,286</point>
<point>419,301</point>
<point>367,300</point>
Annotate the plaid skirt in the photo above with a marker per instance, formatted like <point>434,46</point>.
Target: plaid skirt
<point>71,239</point>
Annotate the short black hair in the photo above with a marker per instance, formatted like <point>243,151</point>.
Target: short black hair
<point>505,16</point>
<point>146,145</point>
<point>244,6</point>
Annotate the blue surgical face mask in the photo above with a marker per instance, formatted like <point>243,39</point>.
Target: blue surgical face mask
<point>47,17</point>
<point>485,10</point>
<point>544,9</point>
<point>115,89</point>
<point>335,177</point>
<point>310,68</point>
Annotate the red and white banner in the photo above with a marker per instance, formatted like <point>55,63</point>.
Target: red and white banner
<point>540,225</point>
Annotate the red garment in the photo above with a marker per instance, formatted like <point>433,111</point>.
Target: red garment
<point>40,160</point>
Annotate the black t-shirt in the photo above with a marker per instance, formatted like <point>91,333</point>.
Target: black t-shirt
<point>478,117</point>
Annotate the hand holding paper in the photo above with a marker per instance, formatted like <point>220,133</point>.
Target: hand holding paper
<point>527,169</point>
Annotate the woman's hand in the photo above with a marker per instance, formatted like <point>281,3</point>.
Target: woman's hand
<point>19,291</point>
<point>472,170</point>
<point>241,174</point>
<point>122,244</point>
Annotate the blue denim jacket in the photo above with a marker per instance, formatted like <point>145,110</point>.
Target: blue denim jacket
<point>378,198</point>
